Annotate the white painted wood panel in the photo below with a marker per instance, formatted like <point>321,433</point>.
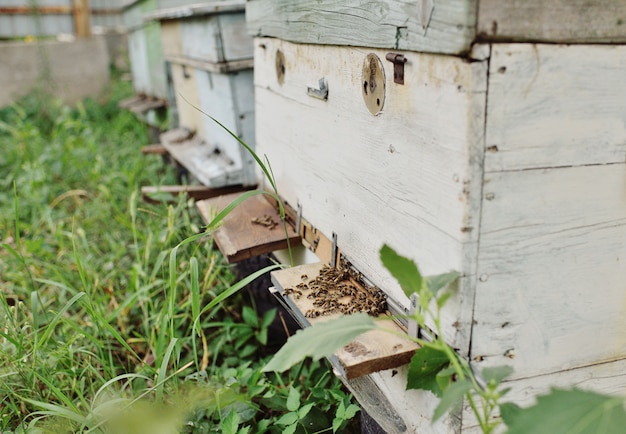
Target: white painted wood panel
<point>555,105</point>
<point>551,294</point>
<point>187,96</point>
<point>448,27</point>
<point>229,98</point>
<point>606,378</point>
<point>553,20</point>
<point>402,177</point>
<point>216,38</point>
<point>170,38</point>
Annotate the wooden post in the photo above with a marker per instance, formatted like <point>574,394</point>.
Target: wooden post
<point>82,24</point>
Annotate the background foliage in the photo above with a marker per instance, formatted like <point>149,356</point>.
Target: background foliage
<point>109,320</point>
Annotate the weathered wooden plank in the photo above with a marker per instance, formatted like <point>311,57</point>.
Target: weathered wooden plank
<point>555,105</point>
<point>371,352</point>
<point>203,160</point>
<point>229,98</point>
<point>240,237</point>
<point>220,67</point>
<point>197,9</point>
<point>376,179</point>
<point>405,25</point>
<point>187,98</point>
<point>217,38</point>
<point>196,192</point>
<point>551,293</point>
<point>154,149</point>
<point>147,104</point>
<point>553,20</point>
<point>606,378</point>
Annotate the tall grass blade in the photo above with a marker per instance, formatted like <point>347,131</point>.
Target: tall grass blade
<point>57,392</point>
<point>52,324</point>
<point>58,411</point>
<point>115,380</point>
<point>162,375</point>
<point>195,289</point>
<point>236,287</point>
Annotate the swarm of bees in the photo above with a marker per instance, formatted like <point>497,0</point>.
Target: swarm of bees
<point>266,221</point>
<point>339,290</point>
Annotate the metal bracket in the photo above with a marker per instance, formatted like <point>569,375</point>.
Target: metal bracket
<point>413,328</point>
<point>321,93</point>
<point>298,218</point>
<point>333,253</point>
<point>398,61</point>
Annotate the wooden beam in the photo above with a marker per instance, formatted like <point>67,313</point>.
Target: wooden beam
<point>82,23</point>
<point>154,149</point>
<point>42,10</point>
<point>196,192</point>
<point>251,229</point>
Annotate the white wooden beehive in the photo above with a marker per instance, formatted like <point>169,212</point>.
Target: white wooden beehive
<point>502,155</point>
<point>210,59</point>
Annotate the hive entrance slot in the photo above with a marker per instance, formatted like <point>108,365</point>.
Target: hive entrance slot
<point>371,352</point>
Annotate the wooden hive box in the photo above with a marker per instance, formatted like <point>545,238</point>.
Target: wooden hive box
<point>210,57</point>
<point>146,63</point>
<point>496,148</point>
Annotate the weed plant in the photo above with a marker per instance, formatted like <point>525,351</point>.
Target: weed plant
<point>112,312</point>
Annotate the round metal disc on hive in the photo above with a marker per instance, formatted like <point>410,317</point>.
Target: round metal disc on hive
<point>373,83</point>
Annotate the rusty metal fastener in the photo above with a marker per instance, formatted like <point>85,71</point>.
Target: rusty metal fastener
<point>398,61</point>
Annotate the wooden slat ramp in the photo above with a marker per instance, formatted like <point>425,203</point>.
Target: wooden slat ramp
<point>251,229</point>
<point>373,351</point>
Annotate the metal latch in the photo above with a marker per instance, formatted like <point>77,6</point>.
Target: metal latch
<point>398,61</point>
<point>321,93</point>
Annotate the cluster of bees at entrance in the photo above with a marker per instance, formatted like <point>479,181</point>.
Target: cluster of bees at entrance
<point>339,290</point>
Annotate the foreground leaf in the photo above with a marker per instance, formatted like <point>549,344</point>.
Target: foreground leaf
<point>435,283</point>
<point>572,411</point>
<point>403,269</point>
<point>452,398</point>
<point>509,411</point>
<point>496,374</point>
<point>425,364</point>
<point>320,340</point>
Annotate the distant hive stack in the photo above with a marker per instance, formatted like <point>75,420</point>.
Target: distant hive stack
<point>472,135</point>
<point>209,56</point>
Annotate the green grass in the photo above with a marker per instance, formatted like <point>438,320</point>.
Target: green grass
<point>115,315</point>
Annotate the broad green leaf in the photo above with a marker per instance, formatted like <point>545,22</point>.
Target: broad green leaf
<point>304,410</point>
<point>445,376</point>
<point>288,418</point>
<point>423,369</point>
<point>291,429</point>
<point>442,299</point>
<point>230,423</point>
<point>572,412</point>
<point>509,411</point>
<point>496,374</point>
<point>250,316</point>
<point>268,318</point>
<point>320,340</point>
<point>293,399</point>
<point>351,411</point>
<point>452,398</point>
<point>435,283</point>
<point>402,269</point>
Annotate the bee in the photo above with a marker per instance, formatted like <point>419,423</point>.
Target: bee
<point>312,313</point>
